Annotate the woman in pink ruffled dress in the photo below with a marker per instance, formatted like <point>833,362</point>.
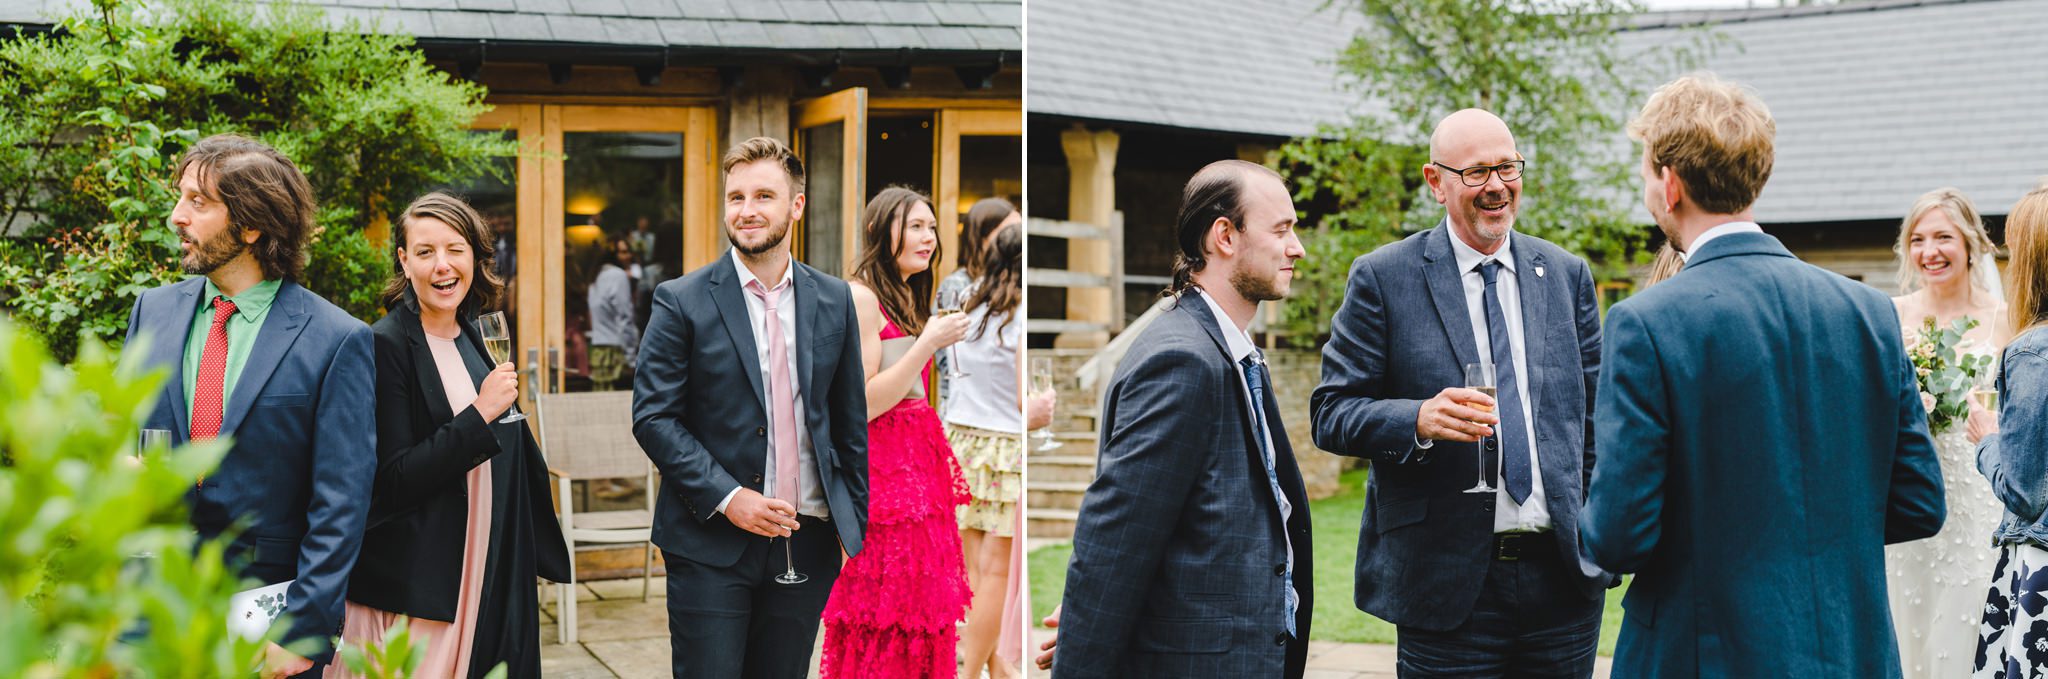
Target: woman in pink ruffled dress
<point>895,607</point>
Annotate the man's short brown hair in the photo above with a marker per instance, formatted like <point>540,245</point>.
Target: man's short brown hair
<point>1716,135</point>
<point>767,148</point>
<point>263,192</point>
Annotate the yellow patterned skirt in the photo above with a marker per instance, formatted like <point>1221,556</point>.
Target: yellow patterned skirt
<point>993,462</point>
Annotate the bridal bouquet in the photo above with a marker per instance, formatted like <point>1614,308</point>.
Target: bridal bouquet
<point>1945,378</point>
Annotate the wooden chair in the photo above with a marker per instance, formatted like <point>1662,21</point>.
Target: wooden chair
<point>588,436</point>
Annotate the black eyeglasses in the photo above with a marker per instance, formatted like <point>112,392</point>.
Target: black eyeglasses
<point>1476,175</point>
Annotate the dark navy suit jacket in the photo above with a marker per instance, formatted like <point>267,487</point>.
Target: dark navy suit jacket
<point>697,409</point>
<point>1761,440</point>
<point>1401,336</point>
<point>304,454</point>
<point>1180,549</point>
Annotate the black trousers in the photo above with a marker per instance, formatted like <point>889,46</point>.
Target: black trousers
<point>738,622</point>
<point>1531,620</point>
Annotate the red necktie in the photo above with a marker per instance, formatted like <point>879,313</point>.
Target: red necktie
<point>213,369</point>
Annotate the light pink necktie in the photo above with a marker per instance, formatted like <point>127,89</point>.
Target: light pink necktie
<point>781,396</point>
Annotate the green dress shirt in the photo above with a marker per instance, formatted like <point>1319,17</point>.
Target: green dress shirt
<point>250,308</point>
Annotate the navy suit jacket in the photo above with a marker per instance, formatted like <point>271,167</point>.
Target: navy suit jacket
<point>1761,440</point>
<point>1179,548</point>
<point>1401,336</point>
<point>305,446</point>
<point>697,406</point>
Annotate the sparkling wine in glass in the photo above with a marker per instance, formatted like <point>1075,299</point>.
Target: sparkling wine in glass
<point>497,337</point>
<point>949,303</point>
<point>1041,384</point>
<point>1479,377</point>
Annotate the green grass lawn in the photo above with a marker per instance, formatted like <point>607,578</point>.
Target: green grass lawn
<point>1336,619</point>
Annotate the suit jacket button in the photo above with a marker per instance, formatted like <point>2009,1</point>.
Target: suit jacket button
<point>1280,639</point>
<point>760,431</point>
<point>757,478</point>
<point>1280,570</point>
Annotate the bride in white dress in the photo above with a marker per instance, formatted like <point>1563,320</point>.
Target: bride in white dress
<point>1938,585</point>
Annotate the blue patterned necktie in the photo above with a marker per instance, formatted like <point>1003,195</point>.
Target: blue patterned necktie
<point>1255,377</point>
<point>1514,453</point>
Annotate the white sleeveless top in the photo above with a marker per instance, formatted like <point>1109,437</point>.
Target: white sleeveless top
<point>987,397</point>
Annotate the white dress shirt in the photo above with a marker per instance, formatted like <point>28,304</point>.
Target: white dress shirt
<point>1717,232</point>
<point>1240,345</point>
<point>1508,516</point>
<point>813,503</point>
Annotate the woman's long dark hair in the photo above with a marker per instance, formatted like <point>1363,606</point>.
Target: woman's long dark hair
<point>484,287</point>
<point>1001,285</point>
<point>907,302</point>
<point>982,220</point>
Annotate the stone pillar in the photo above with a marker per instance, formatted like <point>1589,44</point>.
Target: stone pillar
<point>1091,199</point>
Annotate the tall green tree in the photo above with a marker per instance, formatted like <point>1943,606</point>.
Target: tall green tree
<point>98,111</point>
<point>1554,70</point>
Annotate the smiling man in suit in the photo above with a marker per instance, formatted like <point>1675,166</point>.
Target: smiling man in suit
<point>737,473</point>
<point>1479,584</point>
<point>256,357</point>
<point>1191,555</point>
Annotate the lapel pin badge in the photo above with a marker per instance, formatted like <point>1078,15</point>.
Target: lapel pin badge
<point>1539,272</point>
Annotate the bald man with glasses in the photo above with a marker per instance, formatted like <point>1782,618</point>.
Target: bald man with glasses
<point>1481,580</point>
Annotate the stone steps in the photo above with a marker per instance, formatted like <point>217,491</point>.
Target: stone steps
<point>1057,478</point>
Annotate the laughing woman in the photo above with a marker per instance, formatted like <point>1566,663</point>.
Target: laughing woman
<point>893,612</point>
<point>460,522</point>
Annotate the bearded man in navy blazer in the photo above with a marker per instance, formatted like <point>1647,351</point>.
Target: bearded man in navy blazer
<point>254,356</point>
<point>1487,583</point>
<point>724,528</point>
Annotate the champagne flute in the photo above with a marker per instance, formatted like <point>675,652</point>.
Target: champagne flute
<point>1985,391</point>
<point>498,341</point>
<point>1041,384</point>
<point>1479,377</point>
<point>152,439</point>
<point>949,303</point>
<point>789,575</point>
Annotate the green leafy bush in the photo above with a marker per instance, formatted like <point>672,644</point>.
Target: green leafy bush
<point>97,113</point>
<point>77,507</point>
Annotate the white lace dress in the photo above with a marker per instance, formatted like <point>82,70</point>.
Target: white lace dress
<point>1938,585</point>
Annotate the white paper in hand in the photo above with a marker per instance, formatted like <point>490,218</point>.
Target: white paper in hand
<point>251,612</point>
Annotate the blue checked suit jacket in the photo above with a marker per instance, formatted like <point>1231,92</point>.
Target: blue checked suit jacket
<point>1179,547</point>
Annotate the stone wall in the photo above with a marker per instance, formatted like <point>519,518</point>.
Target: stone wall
<point>1295,375</point>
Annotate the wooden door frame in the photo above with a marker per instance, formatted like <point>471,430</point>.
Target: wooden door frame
<point>849,107</point>
<point>954,123</point>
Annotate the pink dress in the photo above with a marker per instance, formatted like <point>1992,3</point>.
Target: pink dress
<point>447,644</point>
<point>894,610</point>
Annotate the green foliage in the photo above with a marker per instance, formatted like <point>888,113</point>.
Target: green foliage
<point>398,657</point>
<point>1552,70</point>
<point>349,270</point>
<point>1946,376</point>
<point>77,507</point>
<point>98,112</point>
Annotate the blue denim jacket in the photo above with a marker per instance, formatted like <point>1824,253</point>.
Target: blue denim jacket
<point>2016,458</point>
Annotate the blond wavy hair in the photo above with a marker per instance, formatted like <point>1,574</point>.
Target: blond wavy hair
<point>1716,135</point>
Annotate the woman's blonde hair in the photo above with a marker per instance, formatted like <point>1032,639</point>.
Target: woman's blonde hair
<point>2026,235</point>
<point>1666,265</point>
<point>1960,212</point>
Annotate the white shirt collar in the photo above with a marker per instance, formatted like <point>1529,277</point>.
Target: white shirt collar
<point>1469,258</point>
<point>747,276</point>
<point>1717,232</point>
<point>1234,338</point>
